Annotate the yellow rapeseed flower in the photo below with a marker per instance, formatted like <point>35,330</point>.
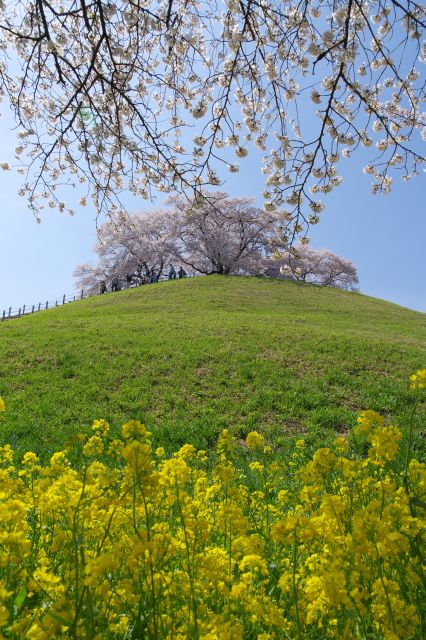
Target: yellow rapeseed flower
<point>2,405</point>
<point>384,444</point>
<point>256,466</point>
<point>255,440</point>
<point>213,551</point>
<point>4,616</point>
<point>135,430</point>
<point>94,446</point>
<point>367,421</point>
<point>101,427</point>
<point>418,379</point>
<point>36,632</point>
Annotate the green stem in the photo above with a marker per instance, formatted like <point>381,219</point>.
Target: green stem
<point>78,540</point>
<point>296,603</point>
<point>388,602</point>
<point>188,564</point>
<point>410,442</point>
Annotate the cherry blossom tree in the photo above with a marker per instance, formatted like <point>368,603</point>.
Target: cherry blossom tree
<point>129,249</point>
<point>220,234</point>
<point>319,266</point>
<point>166,95</point>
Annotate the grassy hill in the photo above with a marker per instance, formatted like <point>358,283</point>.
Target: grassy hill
<point>192,357</point>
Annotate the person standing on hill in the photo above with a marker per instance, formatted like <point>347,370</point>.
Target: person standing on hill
<point>172,273</point>
<point>181,272</point>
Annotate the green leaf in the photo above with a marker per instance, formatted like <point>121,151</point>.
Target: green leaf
<point>20,598</point>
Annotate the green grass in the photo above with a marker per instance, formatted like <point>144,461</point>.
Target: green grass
<point>192,357</point>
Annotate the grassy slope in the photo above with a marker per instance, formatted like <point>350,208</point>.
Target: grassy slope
<point>191,357</point>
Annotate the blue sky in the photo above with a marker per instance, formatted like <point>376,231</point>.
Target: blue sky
<point>384,236</point>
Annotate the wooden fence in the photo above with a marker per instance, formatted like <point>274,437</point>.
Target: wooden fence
<point>26,310</point>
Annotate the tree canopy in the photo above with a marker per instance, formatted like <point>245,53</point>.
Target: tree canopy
<point>167,95</point>
<point>227,236</point>
<point>318,266</point>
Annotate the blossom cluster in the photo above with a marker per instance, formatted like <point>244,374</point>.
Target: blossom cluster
<point>108,96</point>
<point>112,539</point>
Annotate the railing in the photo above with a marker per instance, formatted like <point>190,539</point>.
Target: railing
<point>26,310</point>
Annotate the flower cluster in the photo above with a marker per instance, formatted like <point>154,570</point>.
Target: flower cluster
<point>418,379</point>
<point>113,540</point>
<point>107,92</point>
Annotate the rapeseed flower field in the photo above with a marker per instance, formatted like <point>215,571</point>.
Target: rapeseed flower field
<point>113,540</point>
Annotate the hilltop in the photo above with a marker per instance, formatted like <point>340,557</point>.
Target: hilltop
<point>192,357</point>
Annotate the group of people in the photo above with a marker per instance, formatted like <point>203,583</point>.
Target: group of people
<point>116,284</point>
<point>180,274</point>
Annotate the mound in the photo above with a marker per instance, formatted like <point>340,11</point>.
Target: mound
<point>192,357</point>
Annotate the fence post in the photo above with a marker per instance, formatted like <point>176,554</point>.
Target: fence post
<point>34,308</point>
